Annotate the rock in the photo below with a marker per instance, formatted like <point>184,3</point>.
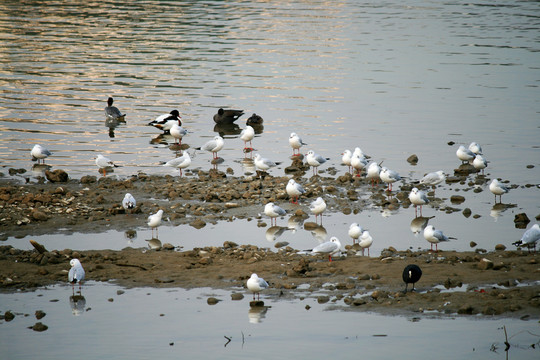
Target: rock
<point>205,260</point>
<point>120,292</point>
<point>39,327</point>
<point>40,314</point>
<point>466,310</point>
<point>88,179</point>
<point>521,220</point>
<point>457,199</point>
<point>485,264</point>
<point>467,212</point>
<point>379,294</point>
<point>472,244</point>
<point>198,224</point>
<point>452,283</point>
<point>212,301</point>
<point>8,316</point>
<point>40,248</point>
<point>500,247</point>
<point>302,267</point>
<point>413,159</point>
<point>236,296</point>
<point>56,176</point>
<point>256,303</point>
<point>168,246</point>
<point>323,299</point>
<point>39,215</point>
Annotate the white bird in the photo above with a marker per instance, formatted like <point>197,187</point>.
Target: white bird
<point>464,154</point>
<point>104,162</point>
<point>166,121</point>
<point>475,148</point>
<point>418,197</point>
<point>296,143</point>
<point>433,178</point>
<point>178,132</point>
<point>373,173</point>
<point>358,163</point>
<point>346,158</point>
<point>180,163</point>
<point>273,211</point>
<point>389,177</point>
<point>112,112</point>
<point>355,231</point>
<point>314,160</point>
<point>529,238</point>
<point>317,207</point>
<point>365,241</point>
<point>256,284</point>
<point>434,236</point>
<point>154,221</point>
<point>129,202</point>
<point>213,146</point>
<point>263,163</point>
<point>331,247</point>
<point>497,188</point>
<point>359,152</point>
<point>480,163</point>
<point>38,152</point>
<point>76,273</point>
<point>246,136</point>
<point>294,190</point>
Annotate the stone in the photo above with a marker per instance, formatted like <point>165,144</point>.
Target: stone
<point>58,175</point>
<point>39,327</point>
<point>198,224</point>
<point>485,264</point>
<point>40,314</point>
<point>413,159</point>
<point>521,220</point>
<point>8,316</point>
<point>457,199</point>
<point>236,296</point>
<point>500,247</point>
<point>212,301</point>
<point>323,299</point>
<point>39,215</point>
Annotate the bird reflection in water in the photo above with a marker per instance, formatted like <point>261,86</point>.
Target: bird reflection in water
<point>418,224</point>
<point>256,314</point>
<point>295,222</point>
<point>249,166</point>
<point>112,124</point>
<point>130,235</point>
<point>78,304</point>
<point>318,232</point>
<point>274,232</point>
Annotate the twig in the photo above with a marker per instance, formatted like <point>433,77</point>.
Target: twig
<point>228,340</point>
<point>506,337</point>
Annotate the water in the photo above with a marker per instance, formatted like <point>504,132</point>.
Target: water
<point>177,322</point>
<point>392,78</point>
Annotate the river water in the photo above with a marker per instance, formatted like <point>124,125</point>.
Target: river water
<point>390,77</point>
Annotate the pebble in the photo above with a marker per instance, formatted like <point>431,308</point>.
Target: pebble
<point>212,301</point>
<point>39,327</point>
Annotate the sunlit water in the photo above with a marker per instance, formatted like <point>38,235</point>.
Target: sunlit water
<point>393,78</point>
<point>172,323</point>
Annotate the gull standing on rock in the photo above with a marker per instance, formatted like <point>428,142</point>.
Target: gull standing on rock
<point>435,236</point>
<point>389,177</point>
<point>103,163</point>
<point>355,231</point>
<point>346,159</point>
<point>317,207</point>
<point>246,136</point>
<point>213,146</point>
<point>529,238</point>
<point>464,154</point>
<point>373,173</point>
<point>480,163</point>
<point>129,202</point>
<point>294,190</point>
<point>38,152</point>
<point>256,284</point>
<point>154,221</point>
<point>180,163</point>
<point>76,273</point>
<point>358,163</point>
<point>177,132</point>
<point>497,188</point>
<point>331,247</point>
<point>418,197</point>
<point>263,163</point>
<point>273,211</point>
<point>315,160</point>
<point>433,178</point>
<point>296,143</point>
<point>365,241</point>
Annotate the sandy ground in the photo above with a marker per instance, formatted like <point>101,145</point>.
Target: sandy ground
<point>495,283</point>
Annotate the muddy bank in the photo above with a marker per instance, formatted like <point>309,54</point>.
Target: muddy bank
<point>498,283</point>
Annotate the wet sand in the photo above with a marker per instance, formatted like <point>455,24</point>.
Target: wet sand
<point>505,284</point>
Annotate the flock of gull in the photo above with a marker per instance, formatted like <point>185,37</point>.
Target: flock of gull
<point>356,161</point>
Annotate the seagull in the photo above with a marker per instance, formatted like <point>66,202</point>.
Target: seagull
<point>180,163</point>
<point>296,143</point>
<point>411,274</point>
<point>346,158</point>
<point>39,153</point>
<point>315,160</point>
<point>112,112</point>
<point>154,221</point>
<point>529,238</point>
<point>480,163</point>
<point>389,177</point>
<point>76,273</point>
<point>104,162</point>
<point>497,188</point>
<point>177,132</point>
<point>317,207</point>
<point>365,241</point>
<point>227,116</point>
<point>433,178</point>
<point>129,202</point>
<point>418,197</point>
<point>273,211</point>
<point>247,135</point>
<point>294,190</point>
<point>165,122</point>
<point>464,154</point>
<point>213,146</point>
<point>256,285</point>
<point>263,163</point>
<point>373,173</point>
<point>355,231</point>
<point>358,163</point>
<point>475,148</point>
<point>330,247</point>
<point>435,236</point>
